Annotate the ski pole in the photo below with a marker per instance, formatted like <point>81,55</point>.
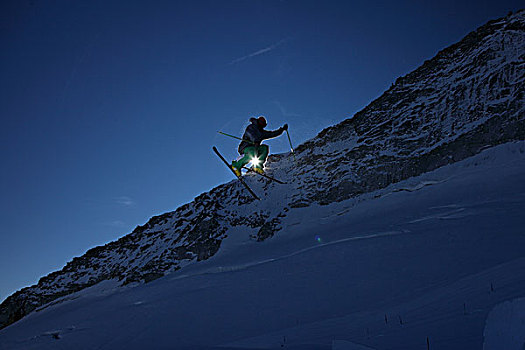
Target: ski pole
<point>235,137</point>
<point>289,140</point>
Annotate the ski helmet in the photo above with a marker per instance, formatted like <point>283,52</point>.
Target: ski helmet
<point>261,121</point>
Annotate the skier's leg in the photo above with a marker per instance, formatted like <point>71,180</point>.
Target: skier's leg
<point>249,153</point>
<point>262,154</point>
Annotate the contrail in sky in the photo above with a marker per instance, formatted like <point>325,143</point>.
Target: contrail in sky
<point>126,201</point>
<point>259,52</point>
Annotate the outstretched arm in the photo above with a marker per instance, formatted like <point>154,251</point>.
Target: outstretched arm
<point>271,134</point>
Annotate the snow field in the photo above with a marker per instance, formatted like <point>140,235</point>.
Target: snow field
<point>426,258</point>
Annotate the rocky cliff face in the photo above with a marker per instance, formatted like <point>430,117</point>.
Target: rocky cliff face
<point>467,98</point>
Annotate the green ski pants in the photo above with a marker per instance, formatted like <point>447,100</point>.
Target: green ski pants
<point>250,152</point>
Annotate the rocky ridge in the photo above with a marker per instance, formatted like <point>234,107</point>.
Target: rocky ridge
<point>467,98</point>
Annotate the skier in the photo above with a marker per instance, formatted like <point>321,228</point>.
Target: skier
<point>251,148</point>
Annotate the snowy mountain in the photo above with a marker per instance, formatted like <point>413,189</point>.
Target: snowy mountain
<point>413,139</point>
<point>438,256</point>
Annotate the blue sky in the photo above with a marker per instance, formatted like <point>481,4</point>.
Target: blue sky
<point>109,109</point>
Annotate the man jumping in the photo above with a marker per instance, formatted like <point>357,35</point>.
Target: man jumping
<point>251,148</point>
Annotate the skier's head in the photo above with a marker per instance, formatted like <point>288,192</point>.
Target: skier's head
<point>261,121</point>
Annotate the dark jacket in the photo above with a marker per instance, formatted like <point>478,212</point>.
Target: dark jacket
<point>256,134</point>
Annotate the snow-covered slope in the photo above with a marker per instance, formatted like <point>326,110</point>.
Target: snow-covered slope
<point>466,99</point>
<point>428,257</point>
<point>505,328</point>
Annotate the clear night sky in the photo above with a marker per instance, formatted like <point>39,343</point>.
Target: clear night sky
<point>109,109</point>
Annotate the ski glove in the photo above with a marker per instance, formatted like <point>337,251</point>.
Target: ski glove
<point>285,127</point>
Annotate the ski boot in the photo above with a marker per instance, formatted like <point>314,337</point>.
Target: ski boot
<point>258,170</point>
<point>235,170</point>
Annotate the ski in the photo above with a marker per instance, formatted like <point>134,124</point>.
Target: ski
<point>264,175</point>
<point>238,177</point>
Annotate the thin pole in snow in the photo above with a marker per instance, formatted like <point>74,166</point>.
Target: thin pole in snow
<point>290,141</point>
